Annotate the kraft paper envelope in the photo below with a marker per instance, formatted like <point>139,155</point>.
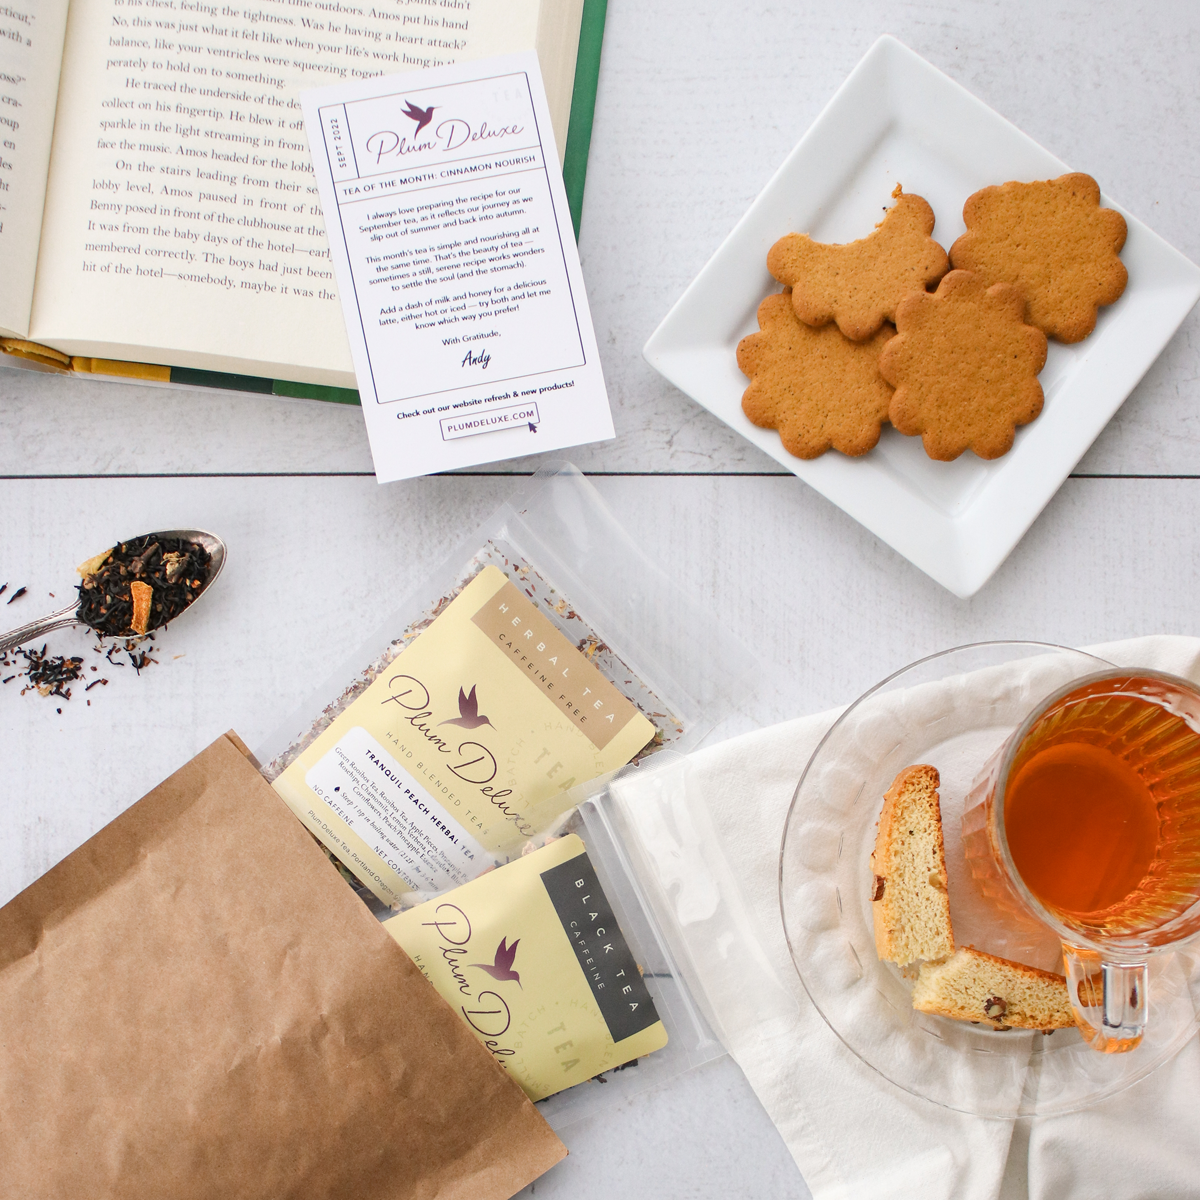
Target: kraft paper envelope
<point>194,1005</point>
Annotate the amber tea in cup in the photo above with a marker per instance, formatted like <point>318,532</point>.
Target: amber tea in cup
<point>1089,819</point>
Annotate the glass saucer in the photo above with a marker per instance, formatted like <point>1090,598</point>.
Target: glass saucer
<point>953,710</point>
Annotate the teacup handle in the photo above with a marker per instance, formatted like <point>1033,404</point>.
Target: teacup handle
<point>1107,998</point>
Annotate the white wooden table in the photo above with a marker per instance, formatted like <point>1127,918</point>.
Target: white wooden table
<point>698,104</point>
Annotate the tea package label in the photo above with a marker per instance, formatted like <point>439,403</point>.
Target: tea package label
<point>361,782</point>
<point>532,959</point>
<point>463,748</point>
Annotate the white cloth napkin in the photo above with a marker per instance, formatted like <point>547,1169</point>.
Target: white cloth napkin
<point>851,1133</point>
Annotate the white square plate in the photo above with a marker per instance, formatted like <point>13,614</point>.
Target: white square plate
<point>897,119</point>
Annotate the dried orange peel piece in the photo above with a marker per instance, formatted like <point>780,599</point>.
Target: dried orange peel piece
<point>93,564</point>
<point>142,594</point>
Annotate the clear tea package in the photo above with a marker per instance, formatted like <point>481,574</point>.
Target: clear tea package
<point>545,653</point>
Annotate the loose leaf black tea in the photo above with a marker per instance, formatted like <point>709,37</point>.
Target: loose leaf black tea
<point>174,569</point>
<point>47,673</point>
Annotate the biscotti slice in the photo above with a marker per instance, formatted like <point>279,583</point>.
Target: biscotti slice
<point>910,904</point>
<point>973,986</point>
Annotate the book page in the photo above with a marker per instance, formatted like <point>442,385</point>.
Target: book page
<point>559,24</point>
<point>183,224</point>
<point>31,46</point>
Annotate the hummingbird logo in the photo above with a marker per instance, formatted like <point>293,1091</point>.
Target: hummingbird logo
<point>501,970</point>
<point>422,116</point>
<point>468,712</point>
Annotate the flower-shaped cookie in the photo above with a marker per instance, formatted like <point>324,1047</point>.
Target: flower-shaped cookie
<point>1054,241</point>
<point>818,388</point>
<point>964,365</point>
<point>859,284</point>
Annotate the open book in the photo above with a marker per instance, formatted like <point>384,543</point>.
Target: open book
<point>157,202</point>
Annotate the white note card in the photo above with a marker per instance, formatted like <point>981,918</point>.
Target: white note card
<point>456,263</point>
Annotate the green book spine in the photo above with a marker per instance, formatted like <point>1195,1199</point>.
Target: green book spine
<point>315,391</point>
<point>269,387</point>
<point>220,379</point>
<point>583,105</point>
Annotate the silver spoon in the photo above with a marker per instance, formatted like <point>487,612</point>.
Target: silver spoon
<point>67,616</point>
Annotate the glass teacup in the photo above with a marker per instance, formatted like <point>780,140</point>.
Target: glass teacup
<point>1088,820</point>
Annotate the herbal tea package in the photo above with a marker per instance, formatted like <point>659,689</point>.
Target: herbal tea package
<point>463,748</point>
<point>545,652</point>
<point>532,958</point>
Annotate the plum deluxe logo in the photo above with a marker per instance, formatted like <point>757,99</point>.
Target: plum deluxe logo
<point>422,116</point>
<point>501,969</point>
<point>468,712</point>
